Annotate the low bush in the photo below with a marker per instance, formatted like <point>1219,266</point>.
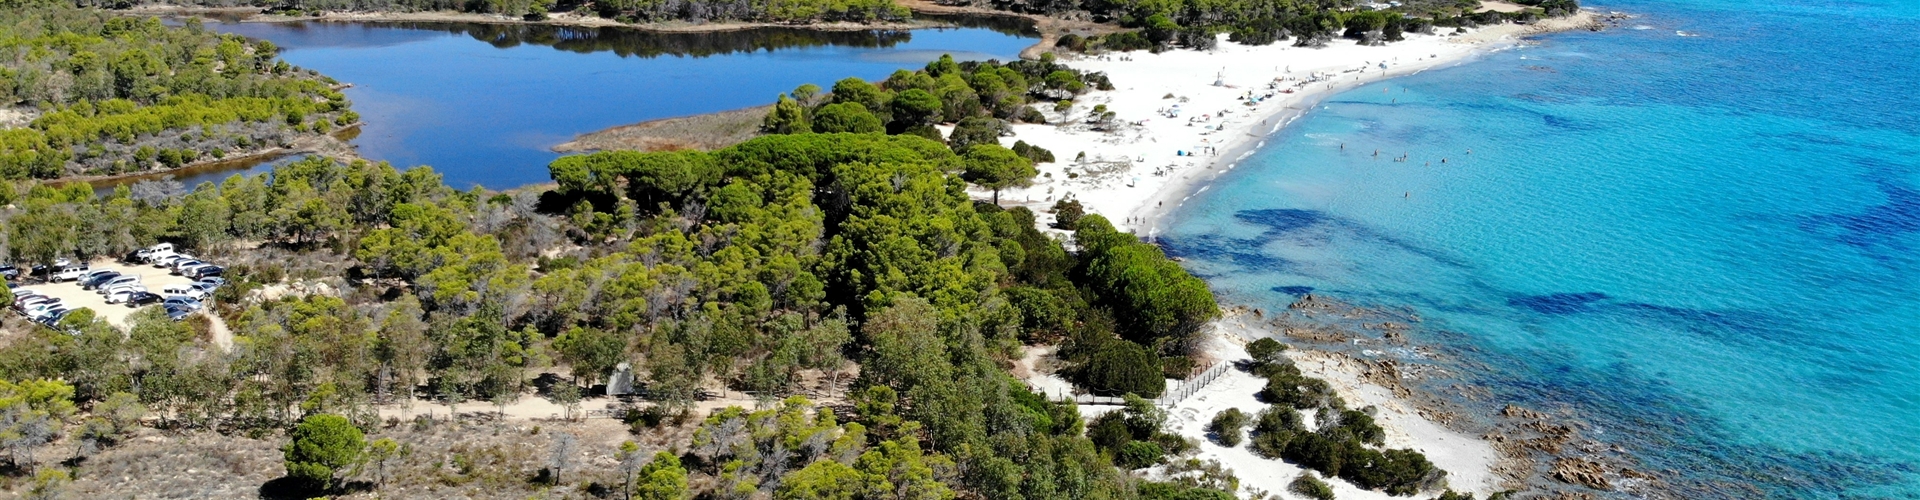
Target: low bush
<point>1138,455</point>
<point>1228,426</point>
<point>1311,487</point>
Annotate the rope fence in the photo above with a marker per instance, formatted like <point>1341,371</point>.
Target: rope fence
<point>1180,392</point>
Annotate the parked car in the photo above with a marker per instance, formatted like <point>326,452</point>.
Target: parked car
<point>99,279</point>
<point>25,297</point>
<point>207,272</point>
<point>110,290</point>
<point>180,302</point>
<point>116,281</point>
<point>123,294</point>
<point>37,310</point>
<point>156,257</point>
<point>177,314</point>
<point>190,270</point>
<point>20,294</point>
<point>169,259</point>
<point>211,283</point>
<point>50,316</point>
<point>142,298</point>
<point>90,275</point>
<point>9,271</point>
<point>37,304</point>
<point>180,265</point>
<point>188,291</point>
<point>69,273</point>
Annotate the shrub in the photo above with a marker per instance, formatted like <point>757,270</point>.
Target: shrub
<point>1276,429</point>
<point>1121,367</point>
<point>975,130</point>
<point>1028,114</point>
<point>850,117</point>
<point>1266,351</point>
<point>1227,427</point>
<point>1299,391</point>
<point>1109,431</point>
<point>1067,213</point>
<point>1138,455</point>
<point>1033,153</point>
<point>1311,487</point>
<point>322,445</point>
<point>926,131</point>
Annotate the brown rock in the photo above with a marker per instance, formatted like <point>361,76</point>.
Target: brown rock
<point>1581,472</point>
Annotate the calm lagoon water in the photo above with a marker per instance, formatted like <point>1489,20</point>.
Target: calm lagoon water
<point>482,103</point>
<point>1704,243</point>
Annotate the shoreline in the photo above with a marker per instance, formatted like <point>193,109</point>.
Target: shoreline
<point>335,144</point>
<point>1146,140</point>
<point>567,19</point>
<point>1049,29</point>
<point>705,132</point>
<point>1117,179</point>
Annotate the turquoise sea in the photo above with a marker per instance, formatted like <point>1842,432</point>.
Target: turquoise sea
<point>1699,234</point>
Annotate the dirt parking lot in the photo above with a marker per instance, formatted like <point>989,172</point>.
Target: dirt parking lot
<point>70,292</point>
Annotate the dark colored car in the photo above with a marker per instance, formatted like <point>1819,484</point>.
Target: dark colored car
<point>142,298</point>
<point>95,281</point>
<point>207,272</point>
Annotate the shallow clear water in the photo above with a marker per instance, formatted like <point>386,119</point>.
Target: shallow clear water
<point>1704,244</point>
<point>483,103</point>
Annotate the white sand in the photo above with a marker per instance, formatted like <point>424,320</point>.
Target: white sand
<point>1137,171</point>
<point>1118,179</point>
<point>1469,461</point>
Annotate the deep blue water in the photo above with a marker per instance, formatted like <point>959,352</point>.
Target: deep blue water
<point>1705,246</point>
<point>483,103</point>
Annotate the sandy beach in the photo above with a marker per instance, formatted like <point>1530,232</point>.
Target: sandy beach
<point>1470,462</point>
<point>1183,118</point>
<point>1174,130</point>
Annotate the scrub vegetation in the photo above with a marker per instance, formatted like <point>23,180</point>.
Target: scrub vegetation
<point>115,94</point>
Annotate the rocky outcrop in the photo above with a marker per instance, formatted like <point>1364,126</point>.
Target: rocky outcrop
<point>1581,472</point>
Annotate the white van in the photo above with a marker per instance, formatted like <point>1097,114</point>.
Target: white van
<point>188,291</point>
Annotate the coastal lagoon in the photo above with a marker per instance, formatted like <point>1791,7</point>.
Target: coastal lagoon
<point>1698,234</point>
<point>482,103</point>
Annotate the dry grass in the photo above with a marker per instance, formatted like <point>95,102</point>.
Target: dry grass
<point>192,466</point>
<point>702,132</point>
<point>473,458</point>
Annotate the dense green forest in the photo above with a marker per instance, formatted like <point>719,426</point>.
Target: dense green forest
<point>116,94</point>
<point>746,266</point>
<point>838,256</point>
